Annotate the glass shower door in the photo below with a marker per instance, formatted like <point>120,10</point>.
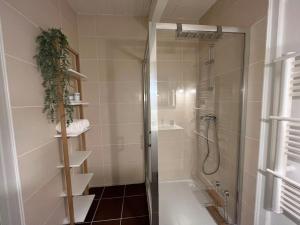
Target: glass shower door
<point>151,125</point>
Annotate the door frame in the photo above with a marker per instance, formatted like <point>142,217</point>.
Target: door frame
<point>11,204</point>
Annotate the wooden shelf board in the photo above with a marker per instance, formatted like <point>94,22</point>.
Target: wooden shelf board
<point>74,134</point>
<point>78,103</point>
<point>82,205</point>
<point>79,183</point>
<point>213,211</point>
<point>77,158</point>
<point>77,75</point>
<point>216,197</point>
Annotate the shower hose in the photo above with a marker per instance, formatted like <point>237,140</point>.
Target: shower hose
<point>208,119</point>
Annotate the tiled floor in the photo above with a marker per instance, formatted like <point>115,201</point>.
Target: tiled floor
<point>119,205</point>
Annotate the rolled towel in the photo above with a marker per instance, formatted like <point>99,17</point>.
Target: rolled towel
<point>77,126</point>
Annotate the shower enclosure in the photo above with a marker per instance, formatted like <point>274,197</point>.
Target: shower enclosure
<point>193,120</point>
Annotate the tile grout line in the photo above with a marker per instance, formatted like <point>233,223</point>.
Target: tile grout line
<point>98,205</point>
<point>123,204</point>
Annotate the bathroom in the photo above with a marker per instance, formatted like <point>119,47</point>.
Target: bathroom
<point>181,119</point>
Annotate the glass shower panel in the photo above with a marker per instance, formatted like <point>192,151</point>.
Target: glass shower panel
<point>199,119</point>
<point>150,125</point>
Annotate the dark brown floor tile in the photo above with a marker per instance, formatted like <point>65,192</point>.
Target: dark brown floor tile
<point>113,191</point>
<point>109,209</point>
<point>109,222</point>
<point>135,221</point>
<point>97,191</point>
<point>90,215</point>
<point>135,206</point>
<point>135,189</point>
<point>89,223</point>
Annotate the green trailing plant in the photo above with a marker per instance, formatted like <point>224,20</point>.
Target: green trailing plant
<point>53,62</point>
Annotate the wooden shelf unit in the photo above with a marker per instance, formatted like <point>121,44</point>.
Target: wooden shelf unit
<point>76,185</point>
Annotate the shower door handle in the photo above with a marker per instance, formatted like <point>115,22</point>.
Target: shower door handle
<point>149,138</point>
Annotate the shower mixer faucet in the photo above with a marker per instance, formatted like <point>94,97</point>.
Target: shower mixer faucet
<point>208,117</point>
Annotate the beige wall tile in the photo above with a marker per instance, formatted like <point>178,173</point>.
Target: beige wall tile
<point>86,25</point>
<point>44,203</point>
<point>121,26</point>
<point>121,113</point>
<point>253,119</point>
<point>258,41</point>
<point>121,48</point>
<point>235,12</point>
<point>58,215</point>
<point>37,167</point>
<point>251,156</point>
<point>118,154</point>
<point>44,14</point>
<point>91,93</point>
<point>92,113</point>
<point>88,47</point>
<point>97,158</point>
<point>248,202</point>
<point>69,23</point>
<point>98,179</point>
<point>124,173</point>
<point>255,81</point>
<point>18,33</point>
<point>122,134</point>
<point>93,136</point>
<point>21,77</point>
<point>31,128</point>
<point>89,67</point>
<point>120,92</point>
<point>120,71</point>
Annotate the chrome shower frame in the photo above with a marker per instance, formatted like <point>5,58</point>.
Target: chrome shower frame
<point>243,92</point>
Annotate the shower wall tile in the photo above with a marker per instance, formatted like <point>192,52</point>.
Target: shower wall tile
<point>169,71</point>
<point>120,70</point>
<point>38,151</point>
<point>177,71</point>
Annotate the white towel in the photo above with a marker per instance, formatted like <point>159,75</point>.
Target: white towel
<point>77,126</point>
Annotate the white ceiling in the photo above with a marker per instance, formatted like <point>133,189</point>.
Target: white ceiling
<point>175,9</point>
<point>186,9</point>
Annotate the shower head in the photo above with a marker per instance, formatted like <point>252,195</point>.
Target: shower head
<point>205,34</point>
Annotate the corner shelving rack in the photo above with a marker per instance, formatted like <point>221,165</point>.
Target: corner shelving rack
<point>76,185</point>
